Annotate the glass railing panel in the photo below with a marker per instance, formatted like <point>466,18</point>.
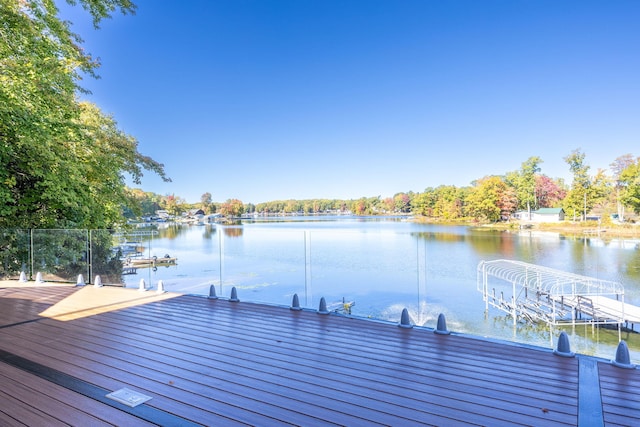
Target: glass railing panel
<point>106,257</point>
<point>140,257</point>
<point>60,255</point>
<point>183,257</point>
<point>379,272</point>
<point>263,265</point>
<point>15,251</point>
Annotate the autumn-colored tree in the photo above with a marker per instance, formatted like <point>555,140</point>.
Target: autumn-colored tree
<point>402,202</point>
<point>490,199</point>
<point>449,203</point>
<point>549,193</point>
<point>232,208</point>
<point>387,204</point>
<point>360,207</point>
<point>173,205</point>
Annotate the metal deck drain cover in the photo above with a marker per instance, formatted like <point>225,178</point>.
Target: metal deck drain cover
<point>128,397</point>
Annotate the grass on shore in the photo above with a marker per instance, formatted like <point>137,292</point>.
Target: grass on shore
<point>569,228</point>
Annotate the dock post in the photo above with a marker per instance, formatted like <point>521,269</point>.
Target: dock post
<point>160,287</point>
<point>97,283</point>
<point>80,281</point>
<point>23,277</point>
<point>39,278</point>
<point>142,286</point>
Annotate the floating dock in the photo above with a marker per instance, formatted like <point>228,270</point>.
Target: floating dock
<point>131,265</point>
<point>150,262</point>
<point>535,293</point>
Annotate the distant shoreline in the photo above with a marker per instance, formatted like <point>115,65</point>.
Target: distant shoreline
<point>577,229</point>
<point>589,228</point>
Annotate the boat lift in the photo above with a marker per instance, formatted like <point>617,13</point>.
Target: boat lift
<point>541,294</point>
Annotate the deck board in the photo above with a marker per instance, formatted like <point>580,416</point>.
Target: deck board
<point>428,375</point>
<point>26,303</point>
<point>620,395</point>
<point>176,381</point>
<point>35,401</point>
<point>215,362</point>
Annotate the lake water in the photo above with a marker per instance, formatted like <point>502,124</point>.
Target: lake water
<point>386,264</point>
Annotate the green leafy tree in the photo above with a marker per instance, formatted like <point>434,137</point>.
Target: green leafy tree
<point>630,181</point>
<point>145,203</point>
<point>618,166</point>
<point>524,183</point>
<point>206,203</point>
<point>63,162</point>
<point>292,206</point>
<point>577,200</point>
<point>423,203</point>
<point>600,190</point>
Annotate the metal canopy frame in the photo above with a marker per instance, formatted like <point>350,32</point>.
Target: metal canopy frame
<point>545,294</point>
<point>548,280</point>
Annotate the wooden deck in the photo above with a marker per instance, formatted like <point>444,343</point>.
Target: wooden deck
<point>216,362</point>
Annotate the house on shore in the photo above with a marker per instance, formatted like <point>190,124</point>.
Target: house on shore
<point>541,215</point>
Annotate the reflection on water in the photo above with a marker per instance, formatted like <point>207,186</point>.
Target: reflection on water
<point>386,265</point>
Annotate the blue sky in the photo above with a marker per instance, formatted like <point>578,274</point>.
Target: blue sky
<point>262,100</point>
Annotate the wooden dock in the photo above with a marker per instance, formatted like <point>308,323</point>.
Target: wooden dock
<point>131,265</point>
<point>604,309</point>
<point>203,361</point>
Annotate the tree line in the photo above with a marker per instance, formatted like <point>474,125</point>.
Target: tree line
<point>489,199</point>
